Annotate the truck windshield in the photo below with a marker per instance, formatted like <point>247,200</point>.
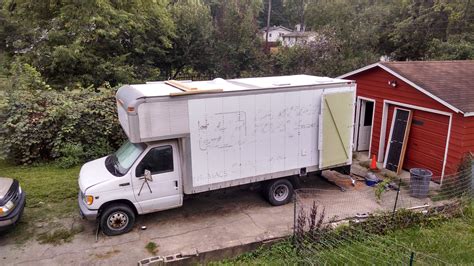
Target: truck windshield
<point>124,157</point>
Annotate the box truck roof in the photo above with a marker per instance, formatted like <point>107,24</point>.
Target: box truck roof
<point>163,88</point>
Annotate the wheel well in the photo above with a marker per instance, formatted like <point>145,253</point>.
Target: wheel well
<point>122,201</point>
<point>294,180</point>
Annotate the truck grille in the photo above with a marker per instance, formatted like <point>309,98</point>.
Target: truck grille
<point>13,194</point>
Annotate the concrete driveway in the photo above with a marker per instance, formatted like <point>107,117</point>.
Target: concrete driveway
<point>206,222</point>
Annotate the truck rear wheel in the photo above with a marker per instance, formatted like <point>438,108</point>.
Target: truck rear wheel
<point>279,192</point>
<point>117,219</point>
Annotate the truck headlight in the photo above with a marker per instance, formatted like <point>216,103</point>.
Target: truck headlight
<point>5,209</point>
<point>88,199</point>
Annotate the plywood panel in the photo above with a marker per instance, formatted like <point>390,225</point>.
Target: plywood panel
<point>308,137</point>
<point>248,136</point>
<point>337,126</point>
<point>212,141</point>
<point>198,122</point>
<point>277,136</point>
<point>244,136</point>
<point>292,129</point>
<point>262,132</point>
<point>233,121</point>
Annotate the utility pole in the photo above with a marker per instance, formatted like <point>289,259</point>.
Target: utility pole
<point>268,24</point>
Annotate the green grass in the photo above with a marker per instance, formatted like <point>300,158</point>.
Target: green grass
<point>445,242</point>
<point>51,193</point>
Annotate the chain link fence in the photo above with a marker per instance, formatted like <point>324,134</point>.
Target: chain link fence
<point>351,227</point>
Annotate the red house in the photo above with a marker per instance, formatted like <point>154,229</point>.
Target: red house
<point>415,114</point>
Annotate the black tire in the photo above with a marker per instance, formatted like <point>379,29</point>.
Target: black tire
<point>117,219</point>
<point>279,192</point>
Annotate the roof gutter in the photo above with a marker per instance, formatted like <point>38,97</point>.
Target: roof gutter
<point>469,114</point>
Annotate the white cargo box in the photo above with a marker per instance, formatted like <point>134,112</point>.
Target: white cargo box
<point>244,130</point>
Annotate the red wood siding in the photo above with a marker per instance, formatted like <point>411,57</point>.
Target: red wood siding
<point>468,136</point>
<point>373,84</point>
<point>426,142</point>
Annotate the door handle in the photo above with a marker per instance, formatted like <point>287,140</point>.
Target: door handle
<point>176,184</point>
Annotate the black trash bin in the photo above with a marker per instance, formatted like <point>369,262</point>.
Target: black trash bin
<point>420,182</point>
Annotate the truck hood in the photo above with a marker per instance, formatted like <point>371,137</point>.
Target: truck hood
<point>93,173</point>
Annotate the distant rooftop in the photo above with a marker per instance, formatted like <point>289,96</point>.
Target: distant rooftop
<point>264,29</point>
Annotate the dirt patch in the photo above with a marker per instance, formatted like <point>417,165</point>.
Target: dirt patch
<point>107,254</point>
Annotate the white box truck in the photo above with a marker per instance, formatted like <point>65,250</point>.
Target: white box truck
<point>190,137</point>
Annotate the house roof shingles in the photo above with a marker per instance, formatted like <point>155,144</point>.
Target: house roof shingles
<point>447,80</point>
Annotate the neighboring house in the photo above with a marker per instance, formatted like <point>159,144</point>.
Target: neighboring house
<point>298,38</point>
<point>433,102</point>
<point>275,33</point>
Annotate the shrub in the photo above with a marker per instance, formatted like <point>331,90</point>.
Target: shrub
<point>41,124</point>
<point>71,155</point>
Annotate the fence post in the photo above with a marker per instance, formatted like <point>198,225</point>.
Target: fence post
<point>472,178</point>
<point>396,198</point>
<point>294,218</point>
<point>412,257</point>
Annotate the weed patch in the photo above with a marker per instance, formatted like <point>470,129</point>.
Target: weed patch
<point>152,247</point>
<point>59,236</point>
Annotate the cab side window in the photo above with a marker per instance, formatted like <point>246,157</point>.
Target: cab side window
<point>157,160</point>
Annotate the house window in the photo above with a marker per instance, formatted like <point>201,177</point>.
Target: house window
<point>369,109</point>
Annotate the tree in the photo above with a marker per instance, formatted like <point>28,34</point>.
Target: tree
<point>192,43</point>
<point>238,49</point>
<point>278,16</point>
<point>296,11</point>
<point>92,41</point>
<point>422,27</point>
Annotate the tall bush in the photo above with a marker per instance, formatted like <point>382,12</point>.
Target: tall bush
<point>41,124</point>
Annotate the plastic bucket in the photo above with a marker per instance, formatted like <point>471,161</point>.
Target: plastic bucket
<point>420,182</point>
<point>371,179</point>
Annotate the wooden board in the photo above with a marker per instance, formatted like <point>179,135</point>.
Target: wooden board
<point>186,89</point>
<point>195,92</point>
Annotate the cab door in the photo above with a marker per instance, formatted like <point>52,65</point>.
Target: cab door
<point>163,190</point>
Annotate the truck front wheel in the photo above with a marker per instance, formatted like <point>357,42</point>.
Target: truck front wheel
<point>117,219</point>
<point>279,192</point>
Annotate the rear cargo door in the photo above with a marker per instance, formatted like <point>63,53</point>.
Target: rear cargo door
<point>335,128</point>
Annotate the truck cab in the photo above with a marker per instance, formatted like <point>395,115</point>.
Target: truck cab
<point>137,179</point>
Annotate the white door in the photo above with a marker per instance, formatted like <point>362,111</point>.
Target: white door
<point>163,191</point>
<point>366,111</point>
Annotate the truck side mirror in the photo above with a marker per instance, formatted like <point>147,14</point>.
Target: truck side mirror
<point>147,175</point>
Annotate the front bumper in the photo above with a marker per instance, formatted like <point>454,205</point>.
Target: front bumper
<point>14,216</point>
<point>90,215</point>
